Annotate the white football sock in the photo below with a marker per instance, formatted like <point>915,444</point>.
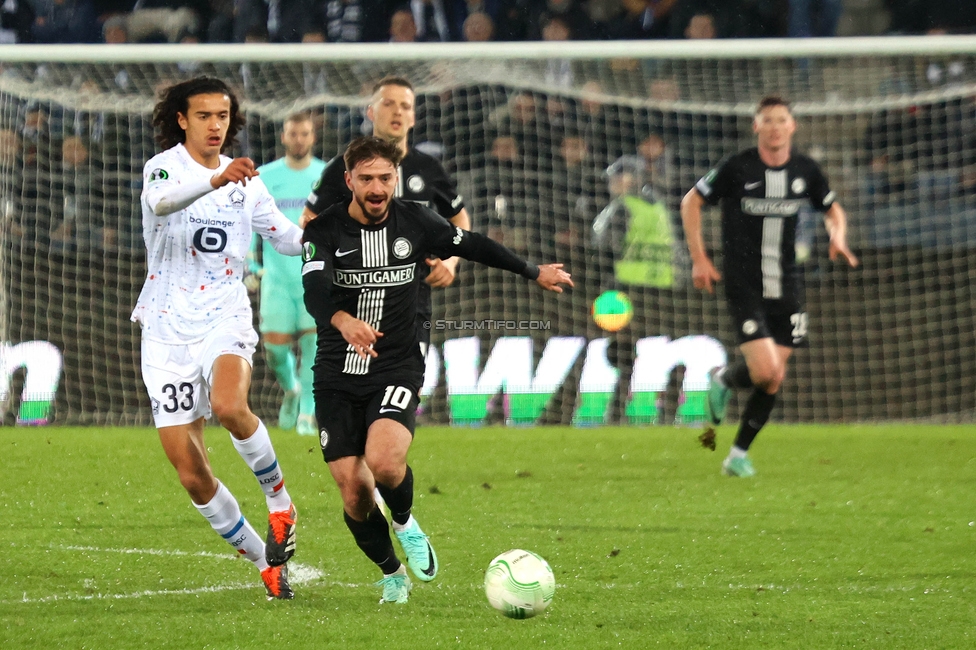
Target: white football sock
<point>735,452</point>
<point>225,517</point>
<point>260,456</point>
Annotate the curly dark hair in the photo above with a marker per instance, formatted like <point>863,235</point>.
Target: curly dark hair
<point>369,148</point>
<point>176,99</point>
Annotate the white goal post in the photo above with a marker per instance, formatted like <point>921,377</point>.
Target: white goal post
<point>535,135</point>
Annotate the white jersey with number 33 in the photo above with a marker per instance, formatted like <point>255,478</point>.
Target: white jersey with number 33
<point>196,256</point>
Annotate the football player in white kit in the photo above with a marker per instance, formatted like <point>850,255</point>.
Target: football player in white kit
<point>199,210</point>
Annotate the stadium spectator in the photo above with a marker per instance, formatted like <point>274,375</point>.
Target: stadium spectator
<point>16,22</point>
<point>632,250</point>
<point>64,21</point>
<point>433,20</point>
<point>355,21</point>
<point>478,28</point>
<point>220,28</point>
<point>11,196</point>
<point>634,234</point>
<point>695,19</point>
<point>512,23</point>
<point>573,22</point>
<point>658,166</point>
<point>461,9</point>
<point>932,16</point>
<point>166,19</point>
<point>559,72</point>
<point>403,28</point>
<point>701,26</point>
<point>73,193</point>
<point>891,147</point>
<point>114,30</point>
<point>814,18</point>
<point>288,22</point>
<point>519,118</point>
<point>590,115</point>
<point>642,19</point>
<point>505,193</point>
<point>572,195</point>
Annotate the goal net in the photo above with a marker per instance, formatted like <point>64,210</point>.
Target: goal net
<point>578,155</point>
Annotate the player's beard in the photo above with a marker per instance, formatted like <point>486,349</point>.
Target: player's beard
<point>370,216</point>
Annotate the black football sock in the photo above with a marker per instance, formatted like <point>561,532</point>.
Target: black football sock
<point>373,537</point>
<point>736,375</point>
<point>754,417</point>
<point>399,499</point>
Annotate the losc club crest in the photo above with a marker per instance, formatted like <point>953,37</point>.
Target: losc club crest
<point>236,198</point>
<point>402,248</point>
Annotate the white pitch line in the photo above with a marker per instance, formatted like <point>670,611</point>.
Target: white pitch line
<point>298,574</point>
<point>148,551</point>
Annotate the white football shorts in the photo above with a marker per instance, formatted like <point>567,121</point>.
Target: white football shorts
<point>178,377</point>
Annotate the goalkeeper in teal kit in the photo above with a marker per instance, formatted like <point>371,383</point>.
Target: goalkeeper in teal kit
<point>283,315</point>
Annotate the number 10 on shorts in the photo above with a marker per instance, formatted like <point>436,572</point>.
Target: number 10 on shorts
<point>396,396</point>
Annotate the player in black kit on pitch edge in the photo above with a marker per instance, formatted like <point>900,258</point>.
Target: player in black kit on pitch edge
<point>761,191</point>
<point>361,274</point>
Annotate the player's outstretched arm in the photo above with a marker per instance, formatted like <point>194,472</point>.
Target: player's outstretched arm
<point>836,222</point>
<point>443,272</point>
<point>703,273</point>
<point>449,241</point>
<point>551,276</point>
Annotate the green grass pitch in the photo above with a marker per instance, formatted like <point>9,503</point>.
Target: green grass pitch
<point>849,537</point>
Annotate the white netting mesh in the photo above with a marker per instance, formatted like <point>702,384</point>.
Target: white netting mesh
<point>529,140</point>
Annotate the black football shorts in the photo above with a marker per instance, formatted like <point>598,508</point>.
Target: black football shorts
<point>756,318</point>
<point>344,418</point>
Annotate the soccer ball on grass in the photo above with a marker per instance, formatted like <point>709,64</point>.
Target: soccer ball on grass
<point>519,584</point>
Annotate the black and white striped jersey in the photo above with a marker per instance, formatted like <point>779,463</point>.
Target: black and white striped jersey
<point>420,178</point>
<point>760,205</point>
<point>373,273</point>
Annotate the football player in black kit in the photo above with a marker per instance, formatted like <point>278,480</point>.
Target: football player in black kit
<point>361,273</point>
<point>761,191</point>
<point>421,177</point>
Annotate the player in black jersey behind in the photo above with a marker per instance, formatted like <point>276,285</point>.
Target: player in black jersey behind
<point>361,278</point>
<point>421,179</point>
<point>761,190</point>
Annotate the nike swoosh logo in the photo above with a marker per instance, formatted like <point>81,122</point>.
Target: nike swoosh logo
<point>429,571</point>
<point>752,186</point>
<point>390,410</point>
<point>344,253</point>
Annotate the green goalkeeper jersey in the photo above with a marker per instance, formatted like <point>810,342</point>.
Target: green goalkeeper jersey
<point>290,189</point>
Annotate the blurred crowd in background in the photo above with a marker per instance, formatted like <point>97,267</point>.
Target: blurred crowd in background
<point>399,21</point>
